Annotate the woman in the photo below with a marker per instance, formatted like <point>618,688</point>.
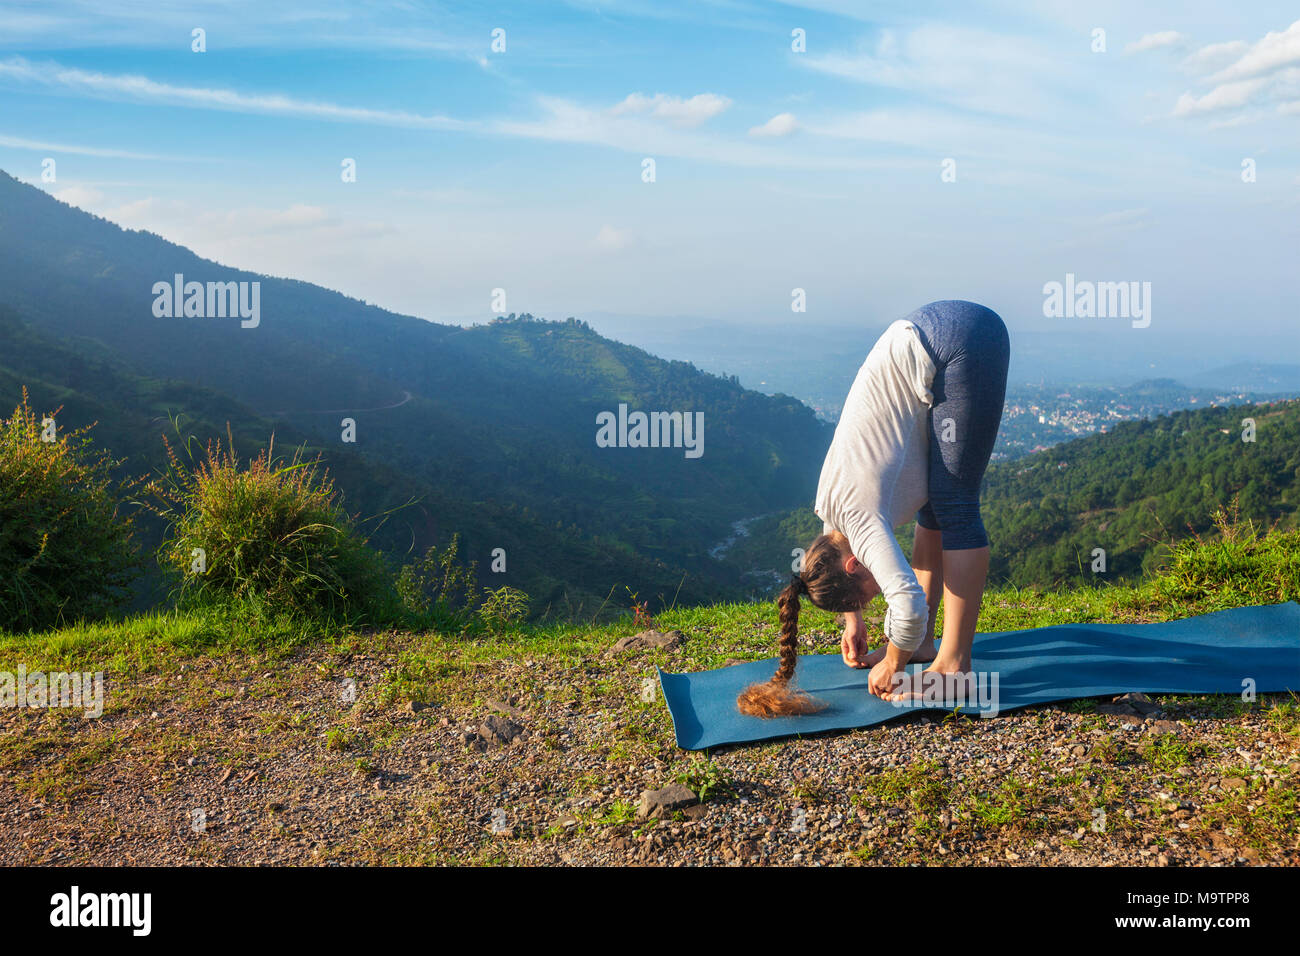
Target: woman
<point>915,437</point>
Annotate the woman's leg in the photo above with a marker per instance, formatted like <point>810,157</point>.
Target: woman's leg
<point>964,575</point>
<point>969,391</point>
<point>965,429</point>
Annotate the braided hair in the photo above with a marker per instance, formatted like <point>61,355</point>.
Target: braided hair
<point>826,583</point>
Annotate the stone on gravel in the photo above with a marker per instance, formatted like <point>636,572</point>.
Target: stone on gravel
<point>1139,702</point>
<point>503,707</point>
<point>1162,727</point>
<point>668,641</point>
<point>499,730</point>
<point>675,796</point>
<point>1117,709</point>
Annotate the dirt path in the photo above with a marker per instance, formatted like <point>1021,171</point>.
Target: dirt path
<point>406,397</point>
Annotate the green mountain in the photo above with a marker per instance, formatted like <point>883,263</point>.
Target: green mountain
<point>1131,492</point>
<point>492,428</point>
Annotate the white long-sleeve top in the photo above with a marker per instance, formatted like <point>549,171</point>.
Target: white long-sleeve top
<point>876,474</point>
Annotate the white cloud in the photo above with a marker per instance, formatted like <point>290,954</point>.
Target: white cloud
<point>563,120</point>
<point>782,124</point>
<point>614,239</point>
<point>1153,41</point>
<point>1226,96</point>
<point>1215,56</point>
<point>143,89</point>
<point>1274,51</point>
<point>973,69</point>
<point>83,197</point>
<point>41,146</point>
<point>1266,70</point>
<point>687,114</point>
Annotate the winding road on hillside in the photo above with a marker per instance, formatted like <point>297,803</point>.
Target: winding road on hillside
<point>406,397</point>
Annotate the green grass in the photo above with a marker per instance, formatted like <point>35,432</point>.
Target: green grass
<point>434,664</point>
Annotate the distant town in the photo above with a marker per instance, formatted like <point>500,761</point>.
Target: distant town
<point>1040,416</point>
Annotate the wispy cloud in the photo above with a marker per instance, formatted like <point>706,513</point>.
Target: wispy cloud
<point>41,146</point>
<point>1246,75</point>
<point>782,124</point>
<point>1154,41</point>
<point>686,113</point>
<point>137,88</point>
<point>963,67</point>
<point>563,120</point>
<point>1273,52</point>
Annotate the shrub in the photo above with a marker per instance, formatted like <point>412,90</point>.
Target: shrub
<point>503,607</point>
<point>273,534</point>
<point>438,588</point>
<point>65,552</point>
<point>1239,567</point>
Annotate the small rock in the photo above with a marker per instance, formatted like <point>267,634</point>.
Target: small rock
<point>675,796</point>
<point>1118,710</point>
<point>1139,702</point>
<point>1162,727</point>
<point>696,811</point>
<point>499,730</point>
<point>1232,783</point>
<point>669,641</point>
<point>503,707</point>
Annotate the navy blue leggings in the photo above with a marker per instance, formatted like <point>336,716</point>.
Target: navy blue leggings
<point>971,349</point>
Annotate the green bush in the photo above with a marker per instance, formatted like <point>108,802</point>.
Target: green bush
<point>502,608</point>
<point>65,552</point>
<point>273,535</point>
<point>1236,568</point>
<point>437,590</point>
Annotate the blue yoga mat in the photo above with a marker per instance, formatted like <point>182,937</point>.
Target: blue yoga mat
<point>1209,654</point>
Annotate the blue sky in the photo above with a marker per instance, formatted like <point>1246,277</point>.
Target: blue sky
<point>775,169</point>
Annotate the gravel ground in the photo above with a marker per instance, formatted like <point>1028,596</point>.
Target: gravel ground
<point>276,764</point>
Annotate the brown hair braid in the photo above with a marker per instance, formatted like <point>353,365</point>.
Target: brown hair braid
<point>830,588</point>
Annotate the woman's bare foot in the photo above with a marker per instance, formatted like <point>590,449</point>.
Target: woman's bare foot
<point>925,653</point>
<point>940,683</point>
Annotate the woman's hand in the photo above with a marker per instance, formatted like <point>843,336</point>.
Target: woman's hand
<point>882,680</point>
<point>853,643</point>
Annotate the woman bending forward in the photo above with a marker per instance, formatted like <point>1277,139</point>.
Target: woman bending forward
<point>915,437</point>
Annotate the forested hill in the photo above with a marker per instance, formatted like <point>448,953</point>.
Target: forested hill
<point>496,423</point>
<point>1144,484</point>
<point>1130,492</point>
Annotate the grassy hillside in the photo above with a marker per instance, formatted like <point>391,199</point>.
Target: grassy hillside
<point>317,747</point>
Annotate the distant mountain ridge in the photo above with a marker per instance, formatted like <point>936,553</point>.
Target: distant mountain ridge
<point>494,421</point>
<point>1250,377</point>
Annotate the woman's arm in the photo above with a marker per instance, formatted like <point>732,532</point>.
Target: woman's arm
<point>852,646</point>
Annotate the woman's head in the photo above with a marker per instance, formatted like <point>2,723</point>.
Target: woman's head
<point>834,580</point>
